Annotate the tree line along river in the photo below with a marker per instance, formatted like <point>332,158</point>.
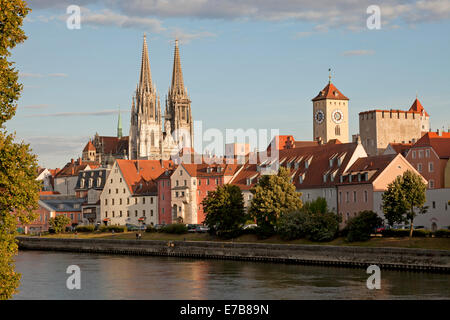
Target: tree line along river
<point>138,277</point>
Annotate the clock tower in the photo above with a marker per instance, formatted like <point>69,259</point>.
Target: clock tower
<point>330,115</point>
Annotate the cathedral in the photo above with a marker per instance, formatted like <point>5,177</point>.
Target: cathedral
<point>149,138</point>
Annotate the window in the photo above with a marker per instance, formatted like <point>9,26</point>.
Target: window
<point>181,172</point>
<point>207,182</point>
<point>366,196</point>
<point>413,154</point>
<point>177,183</point>
<point>106,214</point>
<point>120,213</point>
<point>128,213</point>
<point>176,194</point>
<point>143,213</point>
<point>162,210</point>
<point>430,166</point>
<point>128,200</point>
<point>420,154</point>
<point>151,200</point>
<point>347,197</point>
<point>340,197</point>
<point>113,214</point>
<point>427,153</point>
<point>143,200</point>
<point>419,167</point>
<point>354,196</point>
<point>112,200</point>
<point>217,181</point>
<point>106,202</point>
<point>337,130</point>
<point>109,191</point>
<point>163,196</point>
<point>120,201</point>
<point>135,200</point>
<point>135,213</point>
<point>151,213</point>
<point>431,184</point>
<point>123,190</point>
<point>120,180</point>
<point>117,190</point>
<point>185,182</point>
<point>434,204</point>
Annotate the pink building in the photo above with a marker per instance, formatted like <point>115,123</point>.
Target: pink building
<point>430,156</point>
<point>164,197</point>
<point>357,187</point>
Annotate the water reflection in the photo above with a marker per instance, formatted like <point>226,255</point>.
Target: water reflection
<point>128,277</point>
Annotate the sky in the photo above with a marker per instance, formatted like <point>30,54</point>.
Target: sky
<point>246,64</point>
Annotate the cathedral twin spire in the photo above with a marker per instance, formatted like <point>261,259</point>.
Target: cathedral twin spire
<point>146,132</point>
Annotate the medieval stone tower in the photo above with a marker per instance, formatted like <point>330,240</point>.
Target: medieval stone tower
<point>147,138</point>
<point>330,115</point>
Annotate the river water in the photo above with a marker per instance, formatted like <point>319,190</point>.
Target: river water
<point>135,277</point>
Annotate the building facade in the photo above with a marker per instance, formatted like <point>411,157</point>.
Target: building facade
<point>378,128</point>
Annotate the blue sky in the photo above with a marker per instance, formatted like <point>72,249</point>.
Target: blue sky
<point>246,64</point>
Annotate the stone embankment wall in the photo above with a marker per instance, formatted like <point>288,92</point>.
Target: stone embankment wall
<point>385,258</point>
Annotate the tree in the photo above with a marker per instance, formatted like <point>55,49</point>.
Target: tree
<point>404,199</point>
<point>224,207</point>
<point>313,221</point>
<point>273,196</point>
<point>19,191</point>
<point>361,226</point>
<point>59,223</point>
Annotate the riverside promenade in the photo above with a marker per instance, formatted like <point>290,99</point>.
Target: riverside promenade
<point>423,260</point>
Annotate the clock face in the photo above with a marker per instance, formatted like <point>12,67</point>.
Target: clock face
<point>319,116</point>
<point>337,116</point>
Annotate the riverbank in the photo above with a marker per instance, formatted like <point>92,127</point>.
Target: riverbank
<point>346,256</point>
<point>390,242</point>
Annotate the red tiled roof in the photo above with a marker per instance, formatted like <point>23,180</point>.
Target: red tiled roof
<point>439,143</point>
<point>373,166</point>
<point>148,170</point>
<point>417,107</point>
<point>89,147</point>
<point>72,168</point>
<point>401,148</point>
<point>318,158</point>
<point>201,170</point>
<point>330,92</point>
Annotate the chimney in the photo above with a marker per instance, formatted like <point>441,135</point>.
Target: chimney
<point>319,141</point>
<point>71,161</point>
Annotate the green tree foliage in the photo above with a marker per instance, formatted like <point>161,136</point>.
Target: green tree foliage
<point>19,191</point>
<point>360,227</point>
<point>313,221</point>
<point>273,195</point>
<point>225,214</point>
<point>404,199</point>
<point>59,223</point>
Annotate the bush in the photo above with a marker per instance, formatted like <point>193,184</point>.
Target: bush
<point>113,228</point>
<point>87,228</point>
<point>292,225</point>
<point>176,228</point>
<point>263,232</point>
<point>361,226</point>
<point>442,233</point>
<point>150,228</point>
<point>322,226</point>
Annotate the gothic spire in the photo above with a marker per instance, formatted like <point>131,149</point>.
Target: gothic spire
<point>119,125</point>
<point>177,74</point>
<point>145,80</point>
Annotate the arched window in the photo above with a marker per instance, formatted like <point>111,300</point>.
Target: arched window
<point>153,138</point>
<point>337,130</point>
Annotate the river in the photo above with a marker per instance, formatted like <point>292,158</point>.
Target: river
<point>137,277</point>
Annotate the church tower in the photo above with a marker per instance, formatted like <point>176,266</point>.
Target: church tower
<point>178,117</point>
<point>330,115</point>
<point>146,121</point>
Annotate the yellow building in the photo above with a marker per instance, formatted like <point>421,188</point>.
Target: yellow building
<point>330,112</point>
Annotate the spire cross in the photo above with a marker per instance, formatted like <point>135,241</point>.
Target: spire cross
<point>329,75</point>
